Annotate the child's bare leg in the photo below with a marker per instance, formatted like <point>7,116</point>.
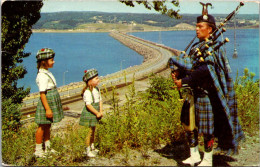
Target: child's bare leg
<point>39,134</point>
<point>89,136</point>
<point>46,138</point>
<point>89,140</point>
<point>39,137</point>
<point>92,139</point>
<point>47,132</point>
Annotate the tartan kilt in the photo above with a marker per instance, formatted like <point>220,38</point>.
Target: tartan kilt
<point>87,118</point>
<point>54,101</point>
<point>204,114</point>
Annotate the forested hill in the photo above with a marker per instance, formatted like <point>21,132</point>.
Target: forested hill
<point>72,20</point>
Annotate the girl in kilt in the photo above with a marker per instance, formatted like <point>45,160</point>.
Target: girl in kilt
<point>49,108</point>
<point>93,110</point>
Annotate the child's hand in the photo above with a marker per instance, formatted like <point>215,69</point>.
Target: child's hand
<point>49,114</point>
<point>99,115</point>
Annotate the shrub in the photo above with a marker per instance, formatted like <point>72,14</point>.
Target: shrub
<point>247,92</point>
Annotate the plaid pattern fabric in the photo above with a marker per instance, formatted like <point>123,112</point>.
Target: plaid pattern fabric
<point>205,117</point>
<point>220,73</point>
<point>87,118</point>
<point>184,63</point>
<point>225,88</point>
<point>89,74</point>
<point>45,53</point>
<point>53,99</point>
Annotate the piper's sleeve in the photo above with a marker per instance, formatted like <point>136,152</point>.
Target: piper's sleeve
<point>197,75</point>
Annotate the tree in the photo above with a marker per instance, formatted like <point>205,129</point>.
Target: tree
<point>17,20</point>
<point>159,6</point>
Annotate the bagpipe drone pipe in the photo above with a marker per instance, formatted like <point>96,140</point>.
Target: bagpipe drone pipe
<point>184,62</point>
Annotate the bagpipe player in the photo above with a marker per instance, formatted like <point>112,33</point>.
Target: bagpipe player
<point>206,71</point>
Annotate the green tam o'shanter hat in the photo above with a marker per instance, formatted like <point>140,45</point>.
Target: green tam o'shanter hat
<point>44,54</point>
<point>89,74</point>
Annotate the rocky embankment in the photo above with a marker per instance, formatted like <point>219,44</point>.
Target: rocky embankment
<point>148,53</point>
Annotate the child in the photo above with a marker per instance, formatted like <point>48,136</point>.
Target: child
<point>92,112</point>
<point>49,108</point>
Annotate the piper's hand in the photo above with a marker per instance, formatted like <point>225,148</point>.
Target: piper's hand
<point>49,114</point>
<point>178,84</point>
<point>174,77</point>
<point>175,74</point>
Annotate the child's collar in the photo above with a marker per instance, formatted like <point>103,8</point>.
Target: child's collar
<point>43,70</point>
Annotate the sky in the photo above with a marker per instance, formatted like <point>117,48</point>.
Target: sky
<point>186,6</point>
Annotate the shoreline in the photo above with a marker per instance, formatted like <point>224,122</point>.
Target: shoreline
<point>123,30</point>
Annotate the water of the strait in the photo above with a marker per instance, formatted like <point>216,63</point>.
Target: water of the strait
<point>76,52</point>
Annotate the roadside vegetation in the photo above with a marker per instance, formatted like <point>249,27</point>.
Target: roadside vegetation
<point>146,120</point>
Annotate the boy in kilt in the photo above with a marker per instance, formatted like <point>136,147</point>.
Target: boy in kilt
<point>49,108</point>
<point>214,96</point>
<point>93,110</point>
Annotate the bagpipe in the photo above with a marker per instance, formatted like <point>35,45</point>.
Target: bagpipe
<point>205,48</point>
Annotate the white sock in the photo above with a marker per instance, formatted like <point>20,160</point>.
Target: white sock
<point>88,149</point>
<point>38,147</point>
<point>47,144</point>
<point>92,146</point>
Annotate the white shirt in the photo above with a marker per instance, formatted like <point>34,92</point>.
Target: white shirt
<point>88,98</point>
<point>45,80</point>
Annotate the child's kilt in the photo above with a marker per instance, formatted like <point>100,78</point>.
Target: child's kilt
<point>87,118</point>
<point>54,101</point>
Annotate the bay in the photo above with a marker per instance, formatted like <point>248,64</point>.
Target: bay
<point>76,52</point>
<point>247,45</point>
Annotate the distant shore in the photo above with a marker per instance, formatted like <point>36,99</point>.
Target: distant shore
<point>86,31</point>
<point>104,28</point>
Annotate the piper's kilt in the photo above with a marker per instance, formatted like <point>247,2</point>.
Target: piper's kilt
<point>205,117</point>
<point>87,118</point>
<point>54,101</point>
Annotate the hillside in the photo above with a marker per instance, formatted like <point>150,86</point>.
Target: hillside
<point>100,21</point>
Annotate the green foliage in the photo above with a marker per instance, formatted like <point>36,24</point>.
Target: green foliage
<point>17,20</point>
<point>161,89</point>
<point>10,118</point>
<point>159,6</point>
<point>247,91</point>
<point>146,119</point>
<point>19,148</point>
